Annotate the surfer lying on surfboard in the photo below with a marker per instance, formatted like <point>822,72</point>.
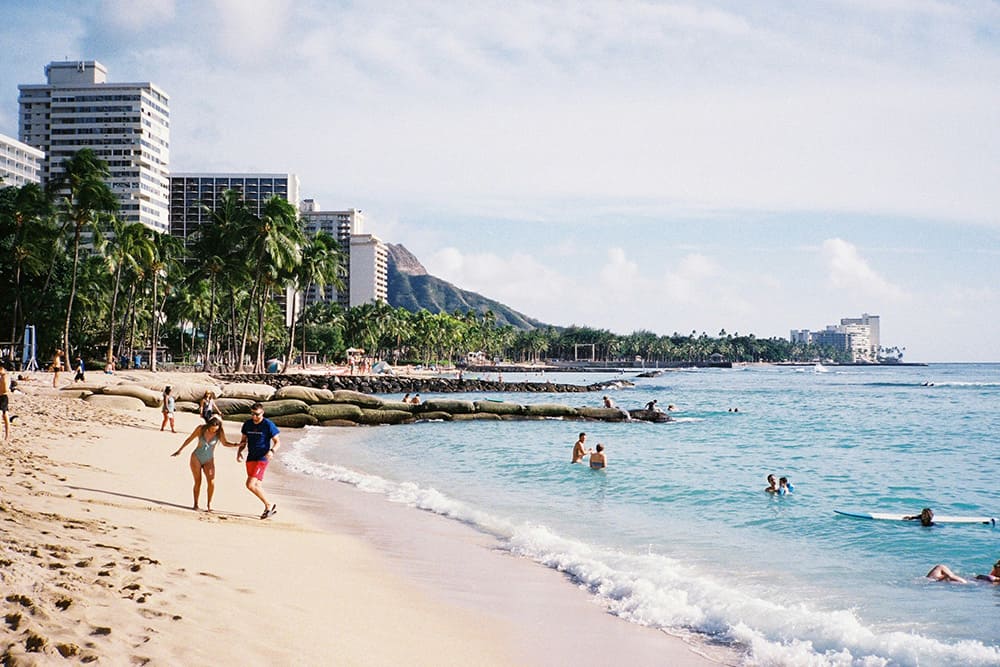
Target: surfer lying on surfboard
<point>926,517</point>
<point>944,573</point>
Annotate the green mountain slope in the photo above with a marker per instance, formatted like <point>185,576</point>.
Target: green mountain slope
<point>411,287</point>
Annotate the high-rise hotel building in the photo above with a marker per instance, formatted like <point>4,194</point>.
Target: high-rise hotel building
<point>19,163</point>
<point>190,194</point>
<point>126,124</point>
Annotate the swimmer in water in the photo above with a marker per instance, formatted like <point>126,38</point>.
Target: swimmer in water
<point>772,484</point>
<point>598,460</point>
<point>578,451</point>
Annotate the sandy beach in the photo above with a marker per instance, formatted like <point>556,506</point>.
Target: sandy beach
<point>102,558</point>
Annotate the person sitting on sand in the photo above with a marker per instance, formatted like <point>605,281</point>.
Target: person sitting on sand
<point>578,450</point>
<point>926,517</point>
<point>203,457</point>
<point>772,484</point>
<point>598,460</point>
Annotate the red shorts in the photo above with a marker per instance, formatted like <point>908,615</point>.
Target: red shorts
<point>256,469</point>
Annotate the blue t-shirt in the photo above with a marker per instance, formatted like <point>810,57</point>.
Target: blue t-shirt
<point>259,438</point>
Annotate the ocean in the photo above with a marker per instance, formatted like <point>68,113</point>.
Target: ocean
<point>677,533</point>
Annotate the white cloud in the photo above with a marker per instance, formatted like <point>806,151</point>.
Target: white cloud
<point>129,15</point>
<point>848,270</point>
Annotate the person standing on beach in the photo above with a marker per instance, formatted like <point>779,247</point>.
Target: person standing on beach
<point>203,457</point>
<point>4,402</point>
<point>207,408</point>
<point>260,439</point>
<point>168,409</point>
<point>578,451</point>
<point>56,367</point>
<point>81,371</point>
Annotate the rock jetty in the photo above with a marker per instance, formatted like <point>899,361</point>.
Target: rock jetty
<point>293,405</point>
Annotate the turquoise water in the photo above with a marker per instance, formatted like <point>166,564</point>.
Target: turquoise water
<point>677,533</point>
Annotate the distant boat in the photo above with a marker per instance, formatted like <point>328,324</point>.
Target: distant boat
<point>819,368</point>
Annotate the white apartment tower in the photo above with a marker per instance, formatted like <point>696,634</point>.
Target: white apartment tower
<point>369,270</point>
<point>126,124</point>
<point>19,163</point>
<point>341,225</point>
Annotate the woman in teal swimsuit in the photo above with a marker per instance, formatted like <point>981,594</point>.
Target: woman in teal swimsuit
<point>203,457</point>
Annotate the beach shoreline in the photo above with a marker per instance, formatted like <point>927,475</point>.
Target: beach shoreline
<point>102,557</point>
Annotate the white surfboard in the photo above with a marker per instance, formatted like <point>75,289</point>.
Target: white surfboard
<point>938,518</point>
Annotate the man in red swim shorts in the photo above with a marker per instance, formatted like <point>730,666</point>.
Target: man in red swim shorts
<point>260,439</point>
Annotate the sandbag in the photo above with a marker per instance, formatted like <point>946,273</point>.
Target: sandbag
<point>182,391</point>
<point>356,398</point>
<point>550,410</point>
<point>455,407</point>
<point>399,405</point>
<point>257,392</point>
<point>149,397</point>
<point>307,394</point>
<point>295,421</point>
<point>237,417</point>
<point>186,406</point>
<point>498,408</point>
<point>119,402</point>
<point>335,411</point>
<point>286,407</point>
<point>604,414</point>
<point>476,416</point>
<point>431,416</point>
<point>230,406</point>
<point>338,422</point>
<point>379,417</point>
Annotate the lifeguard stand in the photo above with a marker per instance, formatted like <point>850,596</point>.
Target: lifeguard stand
<point>29,361</point>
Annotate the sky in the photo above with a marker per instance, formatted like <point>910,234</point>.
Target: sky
<point>747,166</point>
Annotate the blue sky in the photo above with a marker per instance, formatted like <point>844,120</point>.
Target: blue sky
<point>674,166</point>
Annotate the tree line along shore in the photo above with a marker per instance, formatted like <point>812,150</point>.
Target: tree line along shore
<point>98,288</point>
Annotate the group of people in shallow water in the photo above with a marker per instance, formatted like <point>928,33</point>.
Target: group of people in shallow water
<point>597,458</point>
<point>781,487</point>
<point>259,438</point>
<point>942,572</point>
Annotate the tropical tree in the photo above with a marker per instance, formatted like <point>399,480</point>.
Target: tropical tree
<point>84,198</point>
<point>321,264</point>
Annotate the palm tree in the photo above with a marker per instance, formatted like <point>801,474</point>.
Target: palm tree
<point>218,247</point>
<point>85,198</point>
<point>321,265</point>
<point>130,246</point>
<point>167,251</point>
<point>274,243</point>
<point>24,213</point>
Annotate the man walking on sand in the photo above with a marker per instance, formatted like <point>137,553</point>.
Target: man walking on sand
<point>260,438</point>
<point>4,402</point>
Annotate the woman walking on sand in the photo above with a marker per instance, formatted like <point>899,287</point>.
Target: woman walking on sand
<point>203,457</point>
<point>208,408</point>
<point>169,406</point>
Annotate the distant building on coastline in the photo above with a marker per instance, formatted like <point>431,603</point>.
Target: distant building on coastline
<point>126,124</point>
<point>859,336</point>
<point>365,256</point>
<point>20,163</point>
<point>190,192</point>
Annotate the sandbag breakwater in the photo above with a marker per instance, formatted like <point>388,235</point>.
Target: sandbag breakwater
<point>402,384</point>
<point>297,406</point>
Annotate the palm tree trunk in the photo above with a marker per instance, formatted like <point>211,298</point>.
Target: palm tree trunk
<point>111,315</point>
<point>211,322</point>
<point>291,336</point>
<point>246,326</point>
<point>154,325</point>
<point>72,293</point>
